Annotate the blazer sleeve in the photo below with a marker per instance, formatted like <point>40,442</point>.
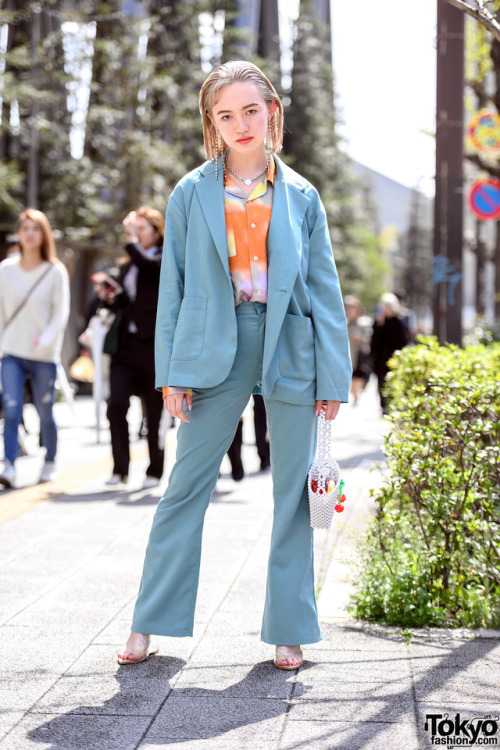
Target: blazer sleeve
<point>171,285</point>
<point>333,361</point>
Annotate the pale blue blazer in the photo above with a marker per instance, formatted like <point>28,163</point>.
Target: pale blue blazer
<point>306,349</point>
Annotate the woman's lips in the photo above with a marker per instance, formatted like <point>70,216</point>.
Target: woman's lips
<point>244,140</point>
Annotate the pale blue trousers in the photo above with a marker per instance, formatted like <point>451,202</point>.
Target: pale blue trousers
<point>167,595</point>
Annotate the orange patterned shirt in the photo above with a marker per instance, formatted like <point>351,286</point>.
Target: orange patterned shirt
<point>247,226</point>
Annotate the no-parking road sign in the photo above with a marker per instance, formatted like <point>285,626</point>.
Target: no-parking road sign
<point>484,199</point>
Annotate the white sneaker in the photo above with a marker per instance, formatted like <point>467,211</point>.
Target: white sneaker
<point>8,475</point>
<point>117,479</point>
<point>150,482</point>
<point>48,472</point>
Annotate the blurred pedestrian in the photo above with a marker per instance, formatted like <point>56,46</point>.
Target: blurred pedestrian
<point>34,308</point>
<point>359,332</point>
<point>389,335</point>
<point>408,317</point>
<point>249,297</point>
<point>132,370</point>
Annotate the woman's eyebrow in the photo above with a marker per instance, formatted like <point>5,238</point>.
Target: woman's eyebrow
<point>228,111</point>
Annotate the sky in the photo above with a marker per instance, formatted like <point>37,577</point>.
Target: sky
<point>385,67</point>
<point>384,60</point>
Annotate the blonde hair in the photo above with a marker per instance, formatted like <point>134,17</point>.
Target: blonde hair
<point>154,217</point>
<point>225,75</point>
<point>48,249</point>
<point>390,302</point>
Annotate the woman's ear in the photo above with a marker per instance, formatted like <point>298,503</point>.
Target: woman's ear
<point>272,108</point>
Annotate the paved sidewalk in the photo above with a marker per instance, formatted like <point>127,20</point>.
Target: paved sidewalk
<point>71,555</point>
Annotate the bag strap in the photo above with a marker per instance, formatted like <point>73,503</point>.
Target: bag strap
<point>30,292</point>
<point>324,439</point>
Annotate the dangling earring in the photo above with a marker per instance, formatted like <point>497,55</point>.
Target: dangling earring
<point>269,136</point>
<point>216,157</point>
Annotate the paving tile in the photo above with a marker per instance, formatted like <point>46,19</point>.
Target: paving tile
<point>342,735</point>
<point>236,650</point>
<point>261,681</point>
<point>236,719</point>
<point>214,743</point>
<point>316,687</point>
<point>33,650</point>
<point>74,732</point>
<point>237,623</point>
<point>356,666</point>
<point>96,694</point>
<point>22,694</point>
<point>8,720</point>
<point>459,654</point>
<point>478,685</point>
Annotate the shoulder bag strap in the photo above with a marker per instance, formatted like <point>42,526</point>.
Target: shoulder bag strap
<point>30,292</point>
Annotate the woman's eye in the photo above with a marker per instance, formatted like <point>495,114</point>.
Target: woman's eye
<point>225,117</point>
<point>251,111</point>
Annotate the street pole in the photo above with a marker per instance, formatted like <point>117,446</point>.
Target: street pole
<point>448,204</point>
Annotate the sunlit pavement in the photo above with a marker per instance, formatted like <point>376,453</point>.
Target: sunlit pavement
<point>71,554</point>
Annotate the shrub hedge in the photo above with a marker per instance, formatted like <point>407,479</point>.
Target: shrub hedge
<point>432,553</point>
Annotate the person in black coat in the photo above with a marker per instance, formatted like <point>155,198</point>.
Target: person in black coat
<point>389,335</point>
<point>132,369</point>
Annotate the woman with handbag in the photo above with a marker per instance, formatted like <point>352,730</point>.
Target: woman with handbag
<point>249,300</point>
<point>34,309</point>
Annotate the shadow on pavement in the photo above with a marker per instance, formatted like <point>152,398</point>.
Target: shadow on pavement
<point>181,715</point>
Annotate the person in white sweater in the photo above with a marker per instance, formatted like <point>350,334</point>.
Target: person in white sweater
<point>34,309</point>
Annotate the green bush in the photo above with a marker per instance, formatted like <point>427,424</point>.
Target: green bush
<point>432,554</point>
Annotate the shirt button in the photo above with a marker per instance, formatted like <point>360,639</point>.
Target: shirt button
<point>258,291</point>
<point>253,226</point>
<point>256,257</point>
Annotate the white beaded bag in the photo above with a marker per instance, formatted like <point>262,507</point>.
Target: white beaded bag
<point>323,481</point>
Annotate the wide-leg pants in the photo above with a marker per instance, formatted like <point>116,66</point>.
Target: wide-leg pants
<point>167,595</point>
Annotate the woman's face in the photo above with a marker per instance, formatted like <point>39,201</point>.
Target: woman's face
<point>241,114</point>
<point>30,235</point>
<point>146,233</point>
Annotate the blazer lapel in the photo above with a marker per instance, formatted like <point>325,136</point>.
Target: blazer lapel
<point>284,245</point>
<point>211,196</point>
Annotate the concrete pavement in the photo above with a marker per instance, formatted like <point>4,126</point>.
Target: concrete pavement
<point>71,555</point>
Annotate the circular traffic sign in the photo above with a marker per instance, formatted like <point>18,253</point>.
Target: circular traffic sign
<point>484,199</point>
<point>484,131</point>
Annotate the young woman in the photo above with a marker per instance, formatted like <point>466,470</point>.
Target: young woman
<point>34,308</point>
<point>249,299</point>
<point>132,368</point>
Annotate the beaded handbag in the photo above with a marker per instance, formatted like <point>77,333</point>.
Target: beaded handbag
<point>324,483</point>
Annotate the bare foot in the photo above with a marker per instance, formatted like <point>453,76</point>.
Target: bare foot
<point>136,649</point>
<point>288,657</point>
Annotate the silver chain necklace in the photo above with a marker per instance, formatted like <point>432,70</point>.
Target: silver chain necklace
<point>248,181</point>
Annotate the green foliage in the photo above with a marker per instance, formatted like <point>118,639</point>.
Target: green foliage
<point>432,555</point>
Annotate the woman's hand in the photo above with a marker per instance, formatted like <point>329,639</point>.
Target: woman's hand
<point>130,227</point>
<point>331,409</point>
<point>173,404</point>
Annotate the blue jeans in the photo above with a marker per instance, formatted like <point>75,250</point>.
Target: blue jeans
<point>43,378</point>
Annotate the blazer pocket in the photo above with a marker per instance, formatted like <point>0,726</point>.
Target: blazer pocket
<point>296,348</point>
<point>190,329</point>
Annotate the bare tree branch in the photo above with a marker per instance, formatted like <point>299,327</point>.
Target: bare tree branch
<point>480,14</point>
